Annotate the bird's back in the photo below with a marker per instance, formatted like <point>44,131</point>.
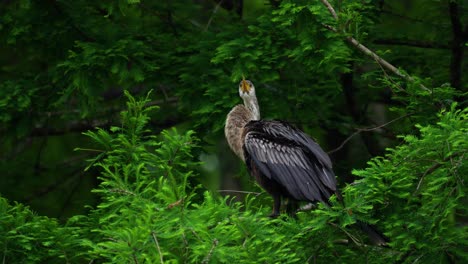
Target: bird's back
<point>286,156</point>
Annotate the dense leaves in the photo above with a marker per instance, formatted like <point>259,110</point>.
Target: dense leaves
<point>149,212</point>
<point>424,181</point>
<point>135,190</point>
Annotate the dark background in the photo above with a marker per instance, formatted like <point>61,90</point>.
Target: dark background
<point>65,64</point>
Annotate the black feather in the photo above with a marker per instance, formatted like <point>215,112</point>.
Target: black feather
<point>290,160</point>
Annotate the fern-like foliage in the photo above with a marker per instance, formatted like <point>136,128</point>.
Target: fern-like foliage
<point>28,238</point>
<point>152,212</point>
<point>417,192</point>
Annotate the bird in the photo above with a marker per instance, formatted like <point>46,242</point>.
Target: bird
<point>285,162</point>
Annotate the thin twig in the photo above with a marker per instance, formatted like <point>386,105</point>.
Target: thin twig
<point>428,171</point>
<point>208,257</point>
<point>353,238</point>
<point>122,191</point>
<point>387,77</point>
<point>176,203</point>
<point>195,234</point>
<point>236,191</point>
<point>433,168</point>
<point>359,130</point>
<point>153,234</point>
<point>215,10</point>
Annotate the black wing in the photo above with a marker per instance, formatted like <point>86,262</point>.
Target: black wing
<point>288,156</point>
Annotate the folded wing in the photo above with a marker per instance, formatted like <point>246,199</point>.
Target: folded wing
<point>288,156</point>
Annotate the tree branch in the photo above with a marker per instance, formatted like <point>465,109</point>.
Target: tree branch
<point>434,167</point>
<point>377,58</point>
<point>359,130</point>
<point>330,8</point>
<point>208,257</point>
<point>215,10</point>
<point>236,191</point>
<point>367,51</point>
<point>155,239</point>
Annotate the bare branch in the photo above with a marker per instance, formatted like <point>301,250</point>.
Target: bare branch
<point>208,257</point>
<point>367,51</point>
<point>176,203</point>
<point>330,8</point>
<point>215,10</point>
<point>377,58</point>
<point>236,191</point>
<point>434,167</point>
<point>359,130</point>
<point>155,239</point>
<point>122,191</point>
<point>353,238</point>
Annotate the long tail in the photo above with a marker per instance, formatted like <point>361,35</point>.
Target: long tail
<point>375,236</point>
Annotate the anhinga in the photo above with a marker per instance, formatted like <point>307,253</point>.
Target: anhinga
<point>284,160</point>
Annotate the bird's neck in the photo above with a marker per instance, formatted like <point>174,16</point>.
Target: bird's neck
<point>252,104</point>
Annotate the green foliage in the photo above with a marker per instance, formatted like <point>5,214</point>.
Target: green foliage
<point>417,191</point>
<point>28,238</point>
<point>68,66</point>
<point>149,211</point>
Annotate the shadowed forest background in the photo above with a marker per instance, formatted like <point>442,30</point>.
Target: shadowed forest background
<point>112,113</point>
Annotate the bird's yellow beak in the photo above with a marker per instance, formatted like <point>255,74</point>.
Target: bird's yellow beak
<point>245,87</point>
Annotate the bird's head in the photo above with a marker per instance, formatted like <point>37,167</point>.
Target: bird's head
<point>246,89</point>
<point>247,93</point>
